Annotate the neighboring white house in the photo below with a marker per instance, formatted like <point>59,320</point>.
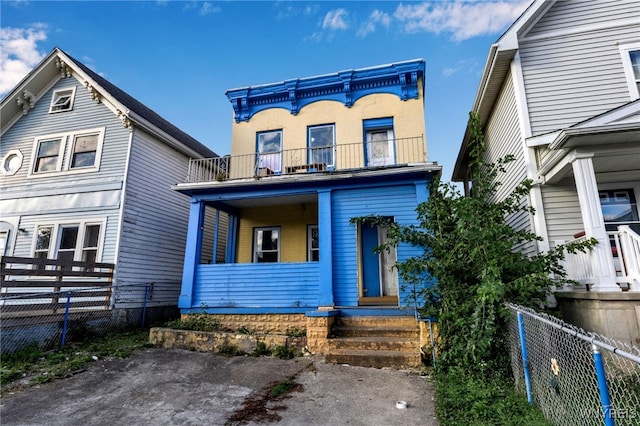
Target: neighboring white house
<point>560,92</point>
<point>86,175</point>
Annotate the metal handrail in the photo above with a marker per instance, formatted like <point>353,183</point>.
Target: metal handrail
<point>385,153</point>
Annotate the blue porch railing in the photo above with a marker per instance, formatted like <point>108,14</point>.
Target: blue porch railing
<point>253,285</point>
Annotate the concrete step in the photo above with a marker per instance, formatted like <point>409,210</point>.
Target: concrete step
<point>368,321</point>
<point>410,345</point>
<point>374,331</point>
<point>375,358</point>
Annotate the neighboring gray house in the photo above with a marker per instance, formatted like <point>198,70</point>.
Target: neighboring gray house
<point>86,174</point>
<point>560,91</point>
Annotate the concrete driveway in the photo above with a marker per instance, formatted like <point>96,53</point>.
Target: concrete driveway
<point>175,387</point>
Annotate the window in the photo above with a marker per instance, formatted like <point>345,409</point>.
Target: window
<point>62,100</point>
<point>321,142</point>
<point>75,241</point>
<point>631,62</point>
<point>90,245</point>
<point>43,241</point>
<point>11,162</point>
<point>270,151</point>
<point>619,207</point>
<point>48,156</point>
<point>266,243</point>
<point>379,142</point>
<point>313,244</point>
<point>634,56</point>
<point>67,242</point>
<point>4,242</point>
<point>84,149</point>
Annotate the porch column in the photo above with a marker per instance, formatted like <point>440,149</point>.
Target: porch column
<point>593,220</point>
<point>325,295</point>
<point>191,253</point>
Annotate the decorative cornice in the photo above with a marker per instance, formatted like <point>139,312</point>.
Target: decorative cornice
<point>401,79</point>
<point>65,70</point>
<point>126,123</point>
<point>95,95</point>
<point>26,101</point>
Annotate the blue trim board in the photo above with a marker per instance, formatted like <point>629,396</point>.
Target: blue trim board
<point>400,79</point>
<point>244,311</point>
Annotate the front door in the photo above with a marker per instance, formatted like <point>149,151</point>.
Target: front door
<point>379,279</point>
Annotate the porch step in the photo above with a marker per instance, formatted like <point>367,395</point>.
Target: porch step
<point>401,344</point>
<point>375,342</point>
<point>375,359</point>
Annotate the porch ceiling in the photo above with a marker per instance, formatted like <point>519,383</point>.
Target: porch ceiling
<point>622,160</point>
<point>273,201</point>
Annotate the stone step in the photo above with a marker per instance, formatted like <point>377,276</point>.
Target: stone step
<point>410,345</point>
<point>374,331</point>
<point>375,358</point>
<point>364,321</point>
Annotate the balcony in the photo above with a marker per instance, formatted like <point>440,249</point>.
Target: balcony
<point>341,157</point>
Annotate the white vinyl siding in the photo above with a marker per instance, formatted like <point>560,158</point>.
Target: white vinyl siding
<point>154,227</point>
<point>570,53</point>
<point>562,210</point>
<point>504,137</point>
<point>575,14</point>
<point>86,115</point>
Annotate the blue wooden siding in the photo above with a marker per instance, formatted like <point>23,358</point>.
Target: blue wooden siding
<point>397,201</point>
<point>257,285</point>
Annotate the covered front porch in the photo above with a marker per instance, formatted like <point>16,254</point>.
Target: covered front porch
<point>287,246</point>
<point>596,164</point>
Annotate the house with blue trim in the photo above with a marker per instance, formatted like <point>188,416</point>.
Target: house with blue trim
<point>308,155</point>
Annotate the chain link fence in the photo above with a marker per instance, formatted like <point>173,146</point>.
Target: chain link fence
<point>55,318</point>
<point>575,377</point>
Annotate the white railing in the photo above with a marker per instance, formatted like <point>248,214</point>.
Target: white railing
<point>627,245</point>
<point>625,251</point>
<point>579,265</point>
<point>309,160</point>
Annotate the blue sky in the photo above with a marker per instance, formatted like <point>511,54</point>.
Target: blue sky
<point>179,57</point>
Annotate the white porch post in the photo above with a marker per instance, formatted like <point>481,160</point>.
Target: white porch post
<point>593,220</point>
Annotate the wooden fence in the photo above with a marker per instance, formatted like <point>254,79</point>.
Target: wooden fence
<point>38,288</point>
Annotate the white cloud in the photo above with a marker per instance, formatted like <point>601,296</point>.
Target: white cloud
<point>463,19</point>
<point>19,54</point>
<point>376,18</point>
<point>447,72</point>
<point>335,20</point>
<point>208,8</point>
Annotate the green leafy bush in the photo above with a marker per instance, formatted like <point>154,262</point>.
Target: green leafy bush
<point>469,268</point>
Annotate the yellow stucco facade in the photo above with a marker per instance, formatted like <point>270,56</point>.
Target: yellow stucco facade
<point>293,221</point>
<point>408,120</point>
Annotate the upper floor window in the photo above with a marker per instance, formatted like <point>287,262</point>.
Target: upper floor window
<point>631,62</point>
<point>379,141</point>
<point>62,100</point>
<point>48,155</point>
<point>270,151</point>
<point>321,142</point>
<point>11,162</point>
<point>84,152</point>
<point>266,244</point>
